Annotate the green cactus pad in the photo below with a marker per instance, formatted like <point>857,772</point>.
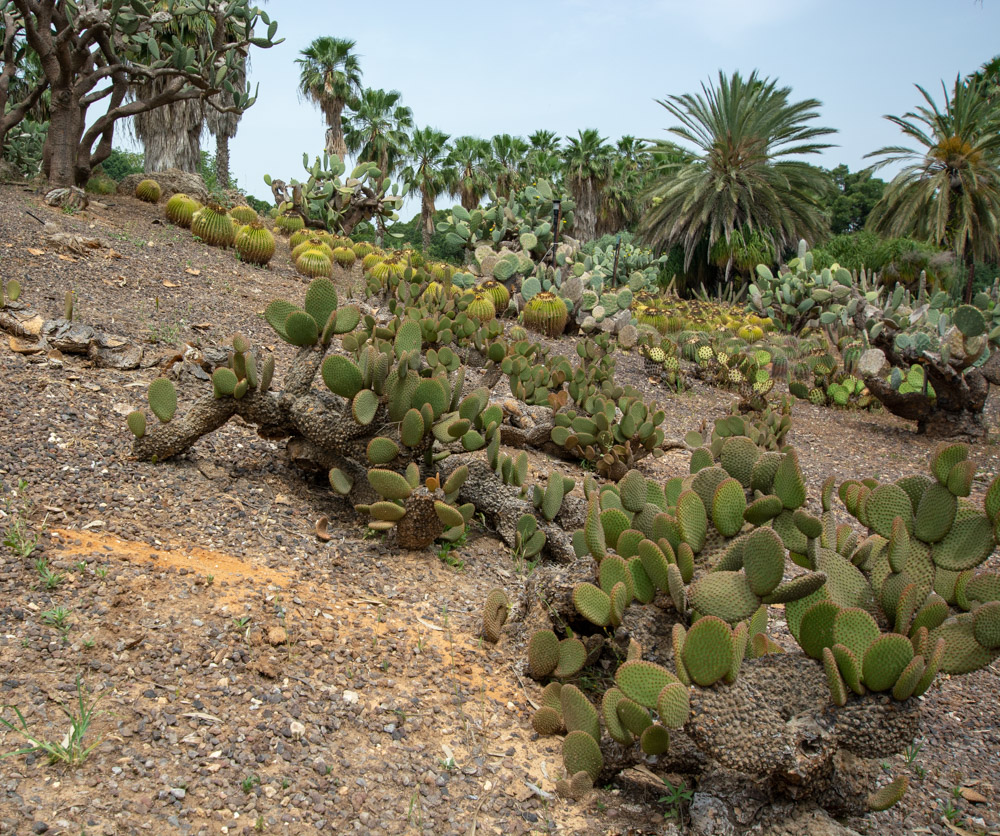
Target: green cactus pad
<point>985,586</point>
<point>677,637</point>
<point>810,526</point>
<point>593,533</point>
<point>855,629</point>
<point>546,721</point>
<point>728,504</point>
<point>387,511</point>
<point>642,681</point>
<point>577,712</point>
<point>632,490</point>
<point>764,470</point>
<point>960,478</point>
<point>136,423</point>
<point>726,595</point>
<point>969,321</point>
<point>628,542</point>
<point>364,406</point>
<point>909,678</point>
<point>741,638</point>
<point>738,457</point>
<point>301,329</point>
<point>700,459</point>
<point>543,653</point>
<point>162,399</point>
<point>495,611</point>
<point>342,376</point>
<point>692,519</point>
<point>382,450</point>
<point>655,740</point>
<point>449,515</point>
<point>885,660</point>
<point>763,561</point>
<point>340,481</point>
<point>935,514</point>
<point>592,603</point>
<point>986,625</point>
<point>793,539</point>
<point>934,659</point>
<point>898,550</point>
<point>796,589</point>
<point>612,570</point>
<point>674,705</point>
<point>849,667</point>
<point>888,795</point>
<point>572,657</point>
<point>633,716</point>
<point>705,482</point>
<point>967,544</point>
<point>788,484</point>
<point>991,502</point>
<point>883,505</point>
<point>581,753</point>
<point>962,653</point>
<point>945,456</point>
<point>763,509</point>
<point>816,628</point>
<point>835,682</point>
<point>389,484</point>
<point>931,615</point>
<point>708,650</point>
<point>609,711</point>
<point>675,586</point>
<point>411,428</point>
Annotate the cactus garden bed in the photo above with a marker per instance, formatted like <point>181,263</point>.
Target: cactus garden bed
<point>261,664</point>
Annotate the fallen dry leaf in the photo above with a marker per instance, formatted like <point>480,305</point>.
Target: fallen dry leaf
<point>973,796</point>
<point>321,529</point>
<point>193,271</point>
<point>23,346</point>
<point>34,251</point>
<point>202,326</point>
<point>168,283</point>
<point>66,258</point>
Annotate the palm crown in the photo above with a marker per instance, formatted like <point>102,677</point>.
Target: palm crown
<point>739,174</point>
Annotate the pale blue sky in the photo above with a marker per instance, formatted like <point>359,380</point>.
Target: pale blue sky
<point>562,65</point>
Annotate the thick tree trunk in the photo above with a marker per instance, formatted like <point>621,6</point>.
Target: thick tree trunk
<point>59,163</point>
<point>222,160</point>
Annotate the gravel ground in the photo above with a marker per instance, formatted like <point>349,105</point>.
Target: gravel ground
<point>249,677</point>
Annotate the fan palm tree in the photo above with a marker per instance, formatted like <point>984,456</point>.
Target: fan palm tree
<point>470,157</point>
<point>377,130</point>
<point>428,169</point>
<point>507,164</point>
<point>949,191</point>
<point>544,160</point>
<point>330,78</point>
<point>588,161</point>
<point>739,173</point>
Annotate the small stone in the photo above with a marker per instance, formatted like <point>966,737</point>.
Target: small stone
<point>297,729</point>
<point>178,792</point>
<point>277,635</point>
<point>351,697</point>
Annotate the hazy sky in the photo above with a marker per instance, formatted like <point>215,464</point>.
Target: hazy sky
<point>564,65</point>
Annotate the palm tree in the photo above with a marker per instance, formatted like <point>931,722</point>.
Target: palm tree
<point>949,191</point>
<point>470,157</point>
<point>429,169</point>
<point>588,162</point>
<point>739,174</point>
<point>377,130</point>
<point>544,160</point>
<point>507,164</point>
<point>331,78</point>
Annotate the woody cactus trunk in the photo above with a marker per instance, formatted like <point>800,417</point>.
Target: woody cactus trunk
<point>392,423</point>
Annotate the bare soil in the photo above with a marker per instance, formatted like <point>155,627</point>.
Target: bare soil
<point>251,677</point>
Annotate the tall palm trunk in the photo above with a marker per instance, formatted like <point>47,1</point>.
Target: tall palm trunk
<point>426,218</point>
<point>585,213</point>
<point>335,133</point>
<point>171,135</point>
